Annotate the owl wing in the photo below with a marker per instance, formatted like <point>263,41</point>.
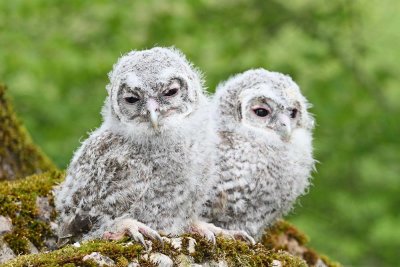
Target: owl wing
<point>78,196</point>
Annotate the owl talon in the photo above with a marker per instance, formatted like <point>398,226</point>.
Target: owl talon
<point>150,233</point>
<point>242,235</point>
<point>134,229</point>
<point>210,229</point>
<point>138,237</point>
<point>202,229</point>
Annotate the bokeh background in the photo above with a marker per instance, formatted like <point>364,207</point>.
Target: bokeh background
<point>55,56</point>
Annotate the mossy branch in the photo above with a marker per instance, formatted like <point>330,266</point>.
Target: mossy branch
<point>18,201</point>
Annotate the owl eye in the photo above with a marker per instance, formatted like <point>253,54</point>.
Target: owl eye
<point>171,92</point>
<point>293,113</point>
<point>261,112</point>
<point>131,99</point>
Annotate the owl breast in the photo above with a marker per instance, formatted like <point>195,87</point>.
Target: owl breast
<point>250,181</point>
<point>148,181</point>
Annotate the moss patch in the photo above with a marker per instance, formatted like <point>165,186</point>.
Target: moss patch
<point>18,202</point>
<point>284,236</point>
<point>72,256</point>
<point>282,242</point>
<point>19,156</point>
<point>235,253</point>
<point>272,235</point>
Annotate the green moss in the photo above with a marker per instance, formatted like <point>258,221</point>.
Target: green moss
<point>270,239</point>
<point>18,202</point>
<point>121,253</point>
<point>238,253</point>
<point>235,253</point>
<point>284,236</point>
<point>204,249</point>
<point>19,156</point>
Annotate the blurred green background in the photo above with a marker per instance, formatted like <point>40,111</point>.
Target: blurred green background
<point>54,56</point>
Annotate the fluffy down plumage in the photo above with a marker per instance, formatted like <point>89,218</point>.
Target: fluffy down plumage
<point>264,156</point>
<point>150,159</point>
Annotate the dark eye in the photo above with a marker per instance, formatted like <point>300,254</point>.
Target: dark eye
<point>261,112</point>
<point>293,114</point>
<point>170,92</point>
<point>131,99</point>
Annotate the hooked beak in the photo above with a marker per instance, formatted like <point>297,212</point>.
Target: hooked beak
<point>283,126</point>
<point>152,107</point>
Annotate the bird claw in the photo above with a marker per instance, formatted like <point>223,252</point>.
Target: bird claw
<point>150,233</point>
<point>134,229</point>
<point>203,229</point>
<point>242,235</point>
<point>209,231</point>
<point>138,237</point>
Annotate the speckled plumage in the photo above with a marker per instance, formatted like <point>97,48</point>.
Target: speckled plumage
<point>148,159</point>
<point>264,163</point>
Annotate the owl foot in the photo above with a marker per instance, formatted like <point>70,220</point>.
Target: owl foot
<point>134,229</point>
<point>241,235</point>
<point>202,228</point>
<point>209,231</point>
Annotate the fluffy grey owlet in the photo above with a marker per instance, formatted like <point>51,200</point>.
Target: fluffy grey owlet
<point>265,150</point>
<point>145,167</point>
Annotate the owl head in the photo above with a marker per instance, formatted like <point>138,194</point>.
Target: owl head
<point>263,101</point>
<point>152,90</point>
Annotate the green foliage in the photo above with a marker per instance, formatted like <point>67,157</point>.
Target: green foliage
<point>344,54</point>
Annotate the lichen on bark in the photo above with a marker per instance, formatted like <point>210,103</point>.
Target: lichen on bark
<point>19,157</point>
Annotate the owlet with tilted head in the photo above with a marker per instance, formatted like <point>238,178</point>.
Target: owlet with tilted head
<point>265,150</point>
<point>145,167</point>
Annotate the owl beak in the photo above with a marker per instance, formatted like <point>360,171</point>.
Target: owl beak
<point>283,125</point>
<point>153,108</point>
